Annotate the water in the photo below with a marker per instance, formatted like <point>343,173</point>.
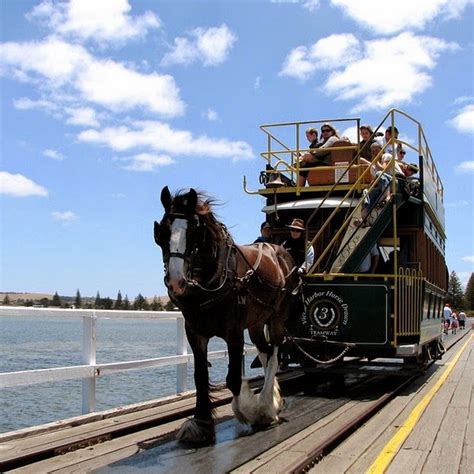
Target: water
<point>44,342</point>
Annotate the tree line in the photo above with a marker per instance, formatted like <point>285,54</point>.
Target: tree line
<point>140,303</point>
<point>458,299</point>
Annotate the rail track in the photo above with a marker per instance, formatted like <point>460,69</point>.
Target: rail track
<point>142,437</point>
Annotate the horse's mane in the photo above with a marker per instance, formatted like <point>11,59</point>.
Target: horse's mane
<point>205,209</point>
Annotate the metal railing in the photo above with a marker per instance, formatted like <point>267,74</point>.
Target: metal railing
<point>91,370</point>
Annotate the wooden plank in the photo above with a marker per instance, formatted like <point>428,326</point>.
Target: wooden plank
<point>275,452</point>
<point>90,417</point>
<point>81,434</point>
<point>368,441</point>
<point>445,456</point>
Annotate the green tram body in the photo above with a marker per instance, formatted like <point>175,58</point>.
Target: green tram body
<point>393,314</point>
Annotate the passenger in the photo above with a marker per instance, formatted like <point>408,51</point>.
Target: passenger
<point>265,233</point>
<point>454,323</point>
<point>318,156</point>
<point>298,247</point>
<point>389,133</point>
<point>447,311</point>
<point>370,262</point>
<point>365,144</point>
<point>309,159</point>
<point>462,319</point>
<point>380,194</point>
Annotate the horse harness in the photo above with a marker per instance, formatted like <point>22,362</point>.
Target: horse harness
<point>225,278</point>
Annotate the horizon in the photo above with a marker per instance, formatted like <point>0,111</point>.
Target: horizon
<point>103,111</point>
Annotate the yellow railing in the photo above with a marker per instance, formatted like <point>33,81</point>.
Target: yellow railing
<point>408,302</point>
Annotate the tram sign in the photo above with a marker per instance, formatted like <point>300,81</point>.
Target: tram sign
<point>352,312</point>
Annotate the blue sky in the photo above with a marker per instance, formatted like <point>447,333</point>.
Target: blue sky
<point>105,102</point>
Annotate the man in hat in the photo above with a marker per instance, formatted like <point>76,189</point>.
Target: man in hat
<point>265,233</point>
<point>302,253</point>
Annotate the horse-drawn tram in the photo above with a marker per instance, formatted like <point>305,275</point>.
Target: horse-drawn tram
<point>374,290</point>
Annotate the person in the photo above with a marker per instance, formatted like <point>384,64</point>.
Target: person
<point>454,322</point>
<point>370,262</point>
<point>302,253</point>
<point>380,193</point>
<point>462,319</point>
<point>447,311</point>
<point>365,132</point>
<point>265,233</point>
<point>318,156</point>
<point>389,133</point>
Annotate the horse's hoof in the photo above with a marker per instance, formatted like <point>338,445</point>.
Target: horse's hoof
<point>197,433</point>
<point>265,424</point>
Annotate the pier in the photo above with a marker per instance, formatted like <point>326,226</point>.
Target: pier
<point>370,423</point>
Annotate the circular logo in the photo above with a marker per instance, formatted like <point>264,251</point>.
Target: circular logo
<point>325,314</point>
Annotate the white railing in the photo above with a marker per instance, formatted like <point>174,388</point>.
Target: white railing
<point>91,370</point>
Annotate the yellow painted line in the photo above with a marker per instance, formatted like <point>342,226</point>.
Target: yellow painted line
<point>391,448</point>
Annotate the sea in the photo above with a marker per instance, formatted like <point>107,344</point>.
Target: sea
<point>41,342</point>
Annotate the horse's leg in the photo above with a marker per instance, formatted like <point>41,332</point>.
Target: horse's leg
<point>235,347</point>
<point>200,429</point>
<point>269,400</point>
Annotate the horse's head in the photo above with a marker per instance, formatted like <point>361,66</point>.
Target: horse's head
<point>177,234</point>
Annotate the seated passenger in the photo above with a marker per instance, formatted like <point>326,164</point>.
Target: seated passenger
<point>389,132</point>
<point>365,132</point>
<point>318,156</point>
<point>380,194</point>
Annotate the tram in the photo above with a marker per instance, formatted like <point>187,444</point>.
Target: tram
<point>346,318</point>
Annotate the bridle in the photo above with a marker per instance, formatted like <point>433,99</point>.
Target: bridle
<point>196,228</point>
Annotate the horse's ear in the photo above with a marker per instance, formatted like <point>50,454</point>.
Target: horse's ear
<point>166,199</point>
<point>156,232</point>
<point>192,200</point>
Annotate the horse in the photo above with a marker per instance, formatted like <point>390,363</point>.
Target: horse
<point>222,289</point>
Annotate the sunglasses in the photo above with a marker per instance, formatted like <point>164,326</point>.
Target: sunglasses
<point>324,130</point>
<point>402,152</point>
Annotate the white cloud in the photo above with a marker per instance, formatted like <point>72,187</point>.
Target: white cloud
<point>210,46</point>
<point>211,115</point>
<point>147,162</point>
<point>386,17</point>
<point>160,137</point>
<point>66,216</point>
<point>53,154</point>
<point>85,116</point>
<point>311,5</point>
<point>18,185</point>
<point>100,21</point>
<point>377,74</point>
<point>25,103</point>
<point>64,69</point>
<point>468,258</point>
<point>258,83</point>
<point>326,53</point>
<point>465,167</point>
<point>464,119</point>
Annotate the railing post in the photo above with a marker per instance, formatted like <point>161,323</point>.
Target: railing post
<point>89,344</point>
<point>182,349</point>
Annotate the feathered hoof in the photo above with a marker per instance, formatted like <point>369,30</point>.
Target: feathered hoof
<point>197,433</point>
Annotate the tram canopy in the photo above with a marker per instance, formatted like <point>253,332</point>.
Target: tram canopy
<point>311,204</point>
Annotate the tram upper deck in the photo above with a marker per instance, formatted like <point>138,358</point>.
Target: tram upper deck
<point>412,226</point>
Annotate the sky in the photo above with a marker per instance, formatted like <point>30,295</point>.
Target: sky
<point>105,102</point>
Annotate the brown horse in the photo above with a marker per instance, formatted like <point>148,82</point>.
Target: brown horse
<point>223,288</point>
